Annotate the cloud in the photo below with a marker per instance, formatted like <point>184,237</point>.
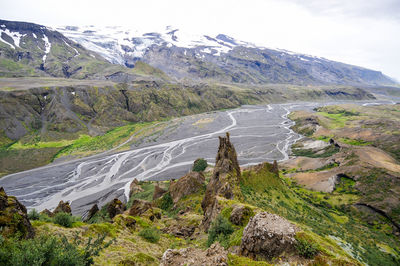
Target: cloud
<point>379,9</point>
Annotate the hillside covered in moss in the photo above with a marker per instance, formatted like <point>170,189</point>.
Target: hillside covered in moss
<point>225,215</point>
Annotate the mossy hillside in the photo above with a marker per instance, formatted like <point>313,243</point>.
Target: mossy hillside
<point>382,120</point>
<point>35,152</point>
<point>271,193</point>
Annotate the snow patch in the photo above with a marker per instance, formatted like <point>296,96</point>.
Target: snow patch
<point>76,51</point>
<point>47,46</point>
<point>34,35</point>
<point>16,36</point>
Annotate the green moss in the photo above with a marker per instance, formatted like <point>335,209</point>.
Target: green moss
<point>103,228</point>
<point>151,234</point>
<point>356,142</point>
<point>236,260</point>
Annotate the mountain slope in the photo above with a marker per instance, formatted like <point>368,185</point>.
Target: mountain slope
<point>220,58</point>
<point>28,49</point>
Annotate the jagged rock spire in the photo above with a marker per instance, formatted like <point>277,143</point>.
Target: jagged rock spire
<point>224,181</point>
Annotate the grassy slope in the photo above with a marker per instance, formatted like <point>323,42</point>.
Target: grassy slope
<point>340,237</point>
<point>35,152</point>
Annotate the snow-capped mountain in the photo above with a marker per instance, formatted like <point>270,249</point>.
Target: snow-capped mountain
<point>28,49</point>
<point>118,44</point>
<point>184,55</point>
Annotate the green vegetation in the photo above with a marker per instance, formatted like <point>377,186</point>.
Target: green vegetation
<point>199,165</point>
<point>306,248</point>
<point>103,142</point>
<point>327,152</point>
<point>151,234</point>
<point>146,194</point>
<point>356,142</point>
<point>319,214</point>
<point>220,231</point>
<point>166,202</point>
<point>63,219</point>
<point>33,215</point>
<point>49,250</point>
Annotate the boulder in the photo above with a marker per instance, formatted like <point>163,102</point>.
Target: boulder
<point>134,187</point>
<point>115,207</point>
<point>180,231</point>
<point>267,235</point>
<point>224,182</point>
<point>158,192</point>
<point>62,207</point>
<point>240,215</point>
<point>188,184</point>
<point>216,255</point>
<point>14,218</point>
<point>139,207</point>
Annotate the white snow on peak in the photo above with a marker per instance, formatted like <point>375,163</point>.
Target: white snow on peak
<point>16,36</point>
<point>117,43</point>
<point>34,35</point>
<point>47,46</point>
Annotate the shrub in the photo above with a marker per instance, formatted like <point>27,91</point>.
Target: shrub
<point>220,231</point>
<point>63,219</point>
<point>306,249</point>
<point>166,202</point>
<point>48,250</point>
<point>151,234</point>
<point>199,165</point>
<point>33,215</point>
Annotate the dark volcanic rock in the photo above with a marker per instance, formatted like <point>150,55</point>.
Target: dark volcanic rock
<point>180,231</point>
<point>267,235</point>
<point>92,212</point>
<point>139,207</point>
<point>115,207</point>
<point>62,207</point>
<point>224,181</point>
<point>158,192</point>
<point>186,185</point>
<point>14,218</point>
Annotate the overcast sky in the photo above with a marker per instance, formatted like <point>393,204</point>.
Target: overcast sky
<point>359,32</point>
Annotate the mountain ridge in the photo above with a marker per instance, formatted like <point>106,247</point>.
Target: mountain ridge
<point>29,49</point>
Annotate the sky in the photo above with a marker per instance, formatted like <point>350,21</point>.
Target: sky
<point>358,32</point>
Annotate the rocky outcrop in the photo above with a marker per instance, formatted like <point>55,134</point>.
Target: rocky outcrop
<point>134,187</point>
<point>224,182</point>
<point>62,207</point>
<point>115,207</point>
<point>240,215</point>
<point>267,235</point>
<point>92,212</point>
<point>188,184</point>
<point>158,192</point>
<point>181,231</point>
<point>13,217</point>
<point>216,255</point>
<point>275,168</point>
<point>47,212</point>
<point>139,207</point>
